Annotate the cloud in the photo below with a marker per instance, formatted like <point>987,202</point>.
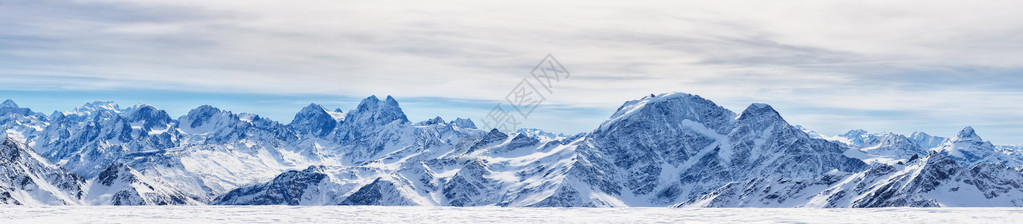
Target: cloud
<point>827,62</point>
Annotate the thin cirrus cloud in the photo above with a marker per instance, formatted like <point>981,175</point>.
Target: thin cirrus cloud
<point>932,66</point>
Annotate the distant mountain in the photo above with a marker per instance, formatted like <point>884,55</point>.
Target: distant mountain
<point>933,181</point>
<point>120,184</point>
<point>671,149</point>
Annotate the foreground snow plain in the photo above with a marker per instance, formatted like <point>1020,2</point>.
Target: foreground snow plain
<point>417,214</point>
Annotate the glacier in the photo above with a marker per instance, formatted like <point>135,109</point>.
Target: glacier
<point>662,150</point>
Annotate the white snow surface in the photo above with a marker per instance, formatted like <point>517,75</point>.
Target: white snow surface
<point>380,214</point>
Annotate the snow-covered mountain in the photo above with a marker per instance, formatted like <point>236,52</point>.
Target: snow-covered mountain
<point>932,181</point>
<point>120,184</point>
<point>20,123</point>
<point>660,150</point>
<point>967,147</point>
<point>970,149</point>
<point>656,151</point>
<point>26,178</point>
<point>886,148</point>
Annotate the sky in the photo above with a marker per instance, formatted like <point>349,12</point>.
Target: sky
<point>830,66</point>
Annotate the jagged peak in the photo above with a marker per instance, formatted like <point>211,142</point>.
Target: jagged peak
<point>432,121</point>
<point>146,110</point>
<point>760,109</point>
<point>96,106</point>
<point>205,108</point>
<point>920,134</point>
<point>312,112</point>
<point>761,113</point>
<point>203,111</point>
<point>967,134</point>
<point>102,105</point>
<point>494,133</point>
<point>463,123</point>
<point>202,115</point>
<point>313,107</point>
<point>8,104</point>
<point>856,132</point>
<point>372,112</point>
<point>632,105</point>
<point>371,99</point>
<point>391,101</point>
<point>672,106</point>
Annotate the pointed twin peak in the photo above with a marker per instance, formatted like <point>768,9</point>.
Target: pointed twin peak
<point>8,104</point>
<point>373,112</point>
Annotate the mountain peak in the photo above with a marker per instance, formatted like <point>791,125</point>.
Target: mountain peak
<point>314,107</point>
<point>96,106</point>
<point>151,115</point>
<point>199,116</point>
<point>761,113</point>
<point>432,121</point>
<point>853,133</point>
<point>760,109</point>
<point>372,112</point>
<point>203,110</point>
<point>463,123</point>
<point>102,105</point>
<point>967,134</point>
<point>314,119</point>
<point>391,101</point>
<point>8,104</point>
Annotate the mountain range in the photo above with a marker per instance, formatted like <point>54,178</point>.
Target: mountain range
<point>671,149</point>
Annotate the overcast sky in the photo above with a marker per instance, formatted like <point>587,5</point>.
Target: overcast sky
<point>934,66</point>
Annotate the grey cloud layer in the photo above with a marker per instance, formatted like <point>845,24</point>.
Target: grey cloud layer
<point>914,63</point>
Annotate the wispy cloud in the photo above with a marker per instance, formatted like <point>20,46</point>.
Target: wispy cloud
<point>830,65</point>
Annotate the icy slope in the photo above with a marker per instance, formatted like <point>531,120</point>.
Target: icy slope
<point>120,184</point>
<point>27,178</point>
